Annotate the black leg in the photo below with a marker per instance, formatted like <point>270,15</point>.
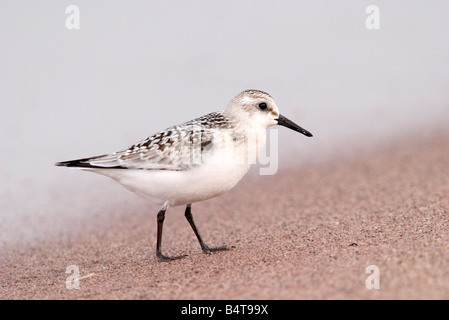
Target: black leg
<point>205,248</point>
<point>160,222</point>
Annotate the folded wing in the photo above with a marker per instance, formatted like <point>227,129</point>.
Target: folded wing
<point>176,148</point>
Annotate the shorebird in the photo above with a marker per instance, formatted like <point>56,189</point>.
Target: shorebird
<point>194,161</point>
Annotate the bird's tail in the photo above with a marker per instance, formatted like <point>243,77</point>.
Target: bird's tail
<point>79,163</point>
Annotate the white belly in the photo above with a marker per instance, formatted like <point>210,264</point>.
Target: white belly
<point>179,187</point>
<point>218,172</point>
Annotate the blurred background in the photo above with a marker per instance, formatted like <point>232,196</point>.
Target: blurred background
<point>133,68</point>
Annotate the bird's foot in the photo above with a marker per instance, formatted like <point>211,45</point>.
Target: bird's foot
<point>209,250</point>
<point>163,258</point>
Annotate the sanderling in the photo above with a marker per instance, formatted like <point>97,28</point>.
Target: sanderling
<point>193,161</point>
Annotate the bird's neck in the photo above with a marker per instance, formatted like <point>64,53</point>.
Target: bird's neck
<point>252,141</point>
<point>250,137</point>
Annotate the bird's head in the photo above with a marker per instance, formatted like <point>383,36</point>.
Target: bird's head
<point>255,108</point>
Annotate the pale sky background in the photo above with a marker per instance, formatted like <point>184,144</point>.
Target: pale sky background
<point>135,67</point>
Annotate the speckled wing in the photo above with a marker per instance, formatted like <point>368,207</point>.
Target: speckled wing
<point>177,148</point>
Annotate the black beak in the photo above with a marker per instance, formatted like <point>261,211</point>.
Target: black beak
<point>283,121</point>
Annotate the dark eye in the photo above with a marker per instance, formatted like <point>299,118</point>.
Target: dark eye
<point>262,106</point>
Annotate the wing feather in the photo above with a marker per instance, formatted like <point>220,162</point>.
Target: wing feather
<point>176,148</point>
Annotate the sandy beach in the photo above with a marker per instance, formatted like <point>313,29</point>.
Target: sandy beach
<point>304,233</point>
